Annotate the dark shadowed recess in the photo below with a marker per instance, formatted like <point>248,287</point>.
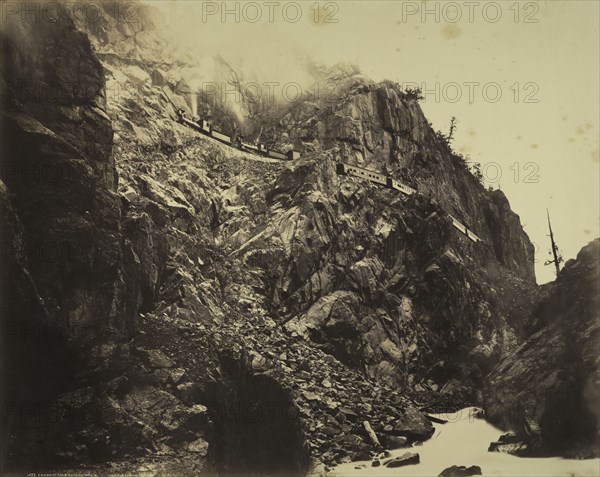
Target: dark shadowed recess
<point>257,429</point>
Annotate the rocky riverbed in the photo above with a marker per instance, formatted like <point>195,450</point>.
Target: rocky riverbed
<point>464,441</point>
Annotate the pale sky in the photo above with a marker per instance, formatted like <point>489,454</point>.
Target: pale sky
<point>542,57</point>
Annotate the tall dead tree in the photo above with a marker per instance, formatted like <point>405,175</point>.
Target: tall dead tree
<point>556,256</point>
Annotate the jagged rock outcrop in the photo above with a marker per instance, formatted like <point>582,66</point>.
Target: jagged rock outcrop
<point>377,280</point>
<point>378,125</point>
<point>507,236</point>
<point>547,389</point>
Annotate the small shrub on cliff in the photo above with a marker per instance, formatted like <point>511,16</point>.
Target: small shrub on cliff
<point>413,94</point>
<point>475,169</point>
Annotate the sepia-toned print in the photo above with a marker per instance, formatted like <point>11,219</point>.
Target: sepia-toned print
<point>300,238</point>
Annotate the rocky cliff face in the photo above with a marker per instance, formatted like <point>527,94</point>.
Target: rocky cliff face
<point>380,126</point>
<point>310,249</point>
<point>77,271</point>
<point>550,383</point>
<point>61,177</point>
<point>60,200</point>
<point>219,284</point>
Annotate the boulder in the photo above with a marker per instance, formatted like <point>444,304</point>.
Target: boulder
<point>169,376</point>
<point>181,420</point>
<point>159,77</point>
<point>413,425</point>
<point>190,393</point>
<point>395,442</point>
<point>461,471</point>
<point>310,396</point>
<point>513,448</point>
<point>155,358</point>
<point>199,446</point>
<point>409,458</point>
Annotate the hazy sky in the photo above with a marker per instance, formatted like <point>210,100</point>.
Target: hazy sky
<point>522,78</point>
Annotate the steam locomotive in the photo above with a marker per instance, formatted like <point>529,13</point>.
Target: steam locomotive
<point>204,127</point>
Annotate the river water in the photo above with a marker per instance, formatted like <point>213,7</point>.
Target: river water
<point>464,440</point>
